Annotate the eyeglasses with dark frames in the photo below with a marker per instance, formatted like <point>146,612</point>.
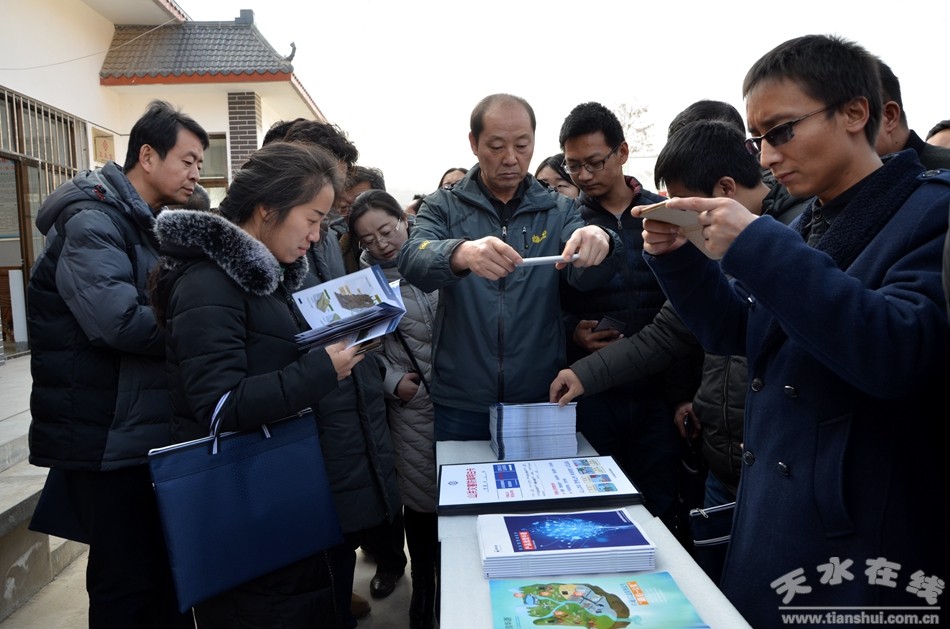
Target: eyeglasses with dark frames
<point>574,169</point>
<point>779,134</point>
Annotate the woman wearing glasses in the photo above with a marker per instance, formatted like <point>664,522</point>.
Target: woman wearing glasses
<point>379,225</point>
<point>551,173</point>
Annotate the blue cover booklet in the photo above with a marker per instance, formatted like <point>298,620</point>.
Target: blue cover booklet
<point>545,532</point>
<point>522,545</point>
<point>604,601</point>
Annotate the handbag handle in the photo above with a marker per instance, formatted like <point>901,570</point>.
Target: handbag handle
<point>216,423</point>
<point>412,359</point>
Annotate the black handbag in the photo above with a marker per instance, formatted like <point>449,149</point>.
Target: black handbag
<point>711,530</point>
<point>238,505</point>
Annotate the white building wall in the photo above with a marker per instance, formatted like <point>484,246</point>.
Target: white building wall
<point>210,110</point>
<point>52,51</point>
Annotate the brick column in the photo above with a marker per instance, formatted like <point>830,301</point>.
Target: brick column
<point>244,126</point>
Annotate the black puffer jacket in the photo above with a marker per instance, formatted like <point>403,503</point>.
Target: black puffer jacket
<point>632,294</point>
<point>231,327</point>
<point>99,398</point>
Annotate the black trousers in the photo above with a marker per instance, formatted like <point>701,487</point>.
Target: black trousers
<point>386,543</point>
<point>422,539</point>
<point>127,575</point>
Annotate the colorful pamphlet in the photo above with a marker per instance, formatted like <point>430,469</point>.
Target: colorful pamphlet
<point>359,307</point>
<point>648,599</point>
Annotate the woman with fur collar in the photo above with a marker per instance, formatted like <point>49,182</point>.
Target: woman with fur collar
<point>223,291</point>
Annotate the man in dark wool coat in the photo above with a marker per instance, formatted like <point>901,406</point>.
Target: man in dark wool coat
<point>842,318</point>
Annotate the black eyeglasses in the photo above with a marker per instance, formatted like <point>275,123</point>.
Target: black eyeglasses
<point>573,169</point>
<point>779,134</point>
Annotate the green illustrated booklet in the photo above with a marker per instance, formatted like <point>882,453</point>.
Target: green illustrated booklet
<point>604,601</point>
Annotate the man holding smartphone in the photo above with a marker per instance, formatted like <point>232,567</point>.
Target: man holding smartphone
<point>631,423</point>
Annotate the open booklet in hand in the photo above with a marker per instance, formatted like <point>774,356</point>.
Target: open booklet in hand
<point>687,220</point>
<point>358,307</point>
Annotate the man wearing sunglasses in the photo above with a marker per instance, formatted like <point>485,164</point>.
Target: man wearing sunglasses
<point>842,319</point>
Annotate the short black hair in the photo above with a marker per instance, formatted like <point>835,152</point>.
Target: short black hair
<point>829,69</point>
<point>943,125</point>
<point>278,130</point>
<point>590,118</point>
<point>704,151</point>
<point>279,176</point>
<point>373,176</point>
<point>329,136</point>
<point>158,127</point>
<point>707,110</point>
<point>891,88</point>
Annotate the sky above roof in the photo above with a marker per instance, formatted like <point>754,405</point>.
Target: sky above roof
<point>401,78</point>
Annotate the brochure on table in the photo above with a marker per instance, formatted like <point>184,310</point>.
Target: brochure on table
<point>649,599</point>
<point>522,545</point>
<point>533,485</point>
<point>358,307</point>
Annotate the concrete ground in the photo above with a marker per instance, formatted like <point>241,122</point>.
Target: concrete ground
<point>62,604</point>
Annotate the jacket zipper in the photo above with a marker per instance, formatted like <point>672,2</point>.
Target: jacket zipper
<point>289,301</point>
<point>501,326</point>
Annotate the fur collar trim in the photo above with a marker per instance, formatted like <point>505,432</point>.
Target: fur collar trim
<point>188,234</point>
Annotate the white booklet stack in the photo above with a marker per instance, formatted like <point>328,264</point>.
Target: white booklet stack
<point>533,431</point>
<point>547,544</point>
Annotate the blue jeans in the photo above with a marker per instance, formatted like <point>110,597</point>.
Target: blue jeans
<point>455,424</point>
<point>716,492</point>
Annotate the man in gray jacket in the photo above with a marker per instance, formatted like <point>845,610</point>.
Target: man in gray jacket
<point>99,399</point>
<point>498,334</point>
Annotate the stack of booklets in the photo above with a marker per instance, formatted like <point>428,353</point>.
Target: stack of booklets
<point>540,544</point>
<point>533,431</point>
<point>650,599</point>
<point>358,307</point>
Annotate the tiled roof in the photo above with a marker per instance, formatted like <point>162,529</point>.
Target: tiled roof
<point>190,51</point>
